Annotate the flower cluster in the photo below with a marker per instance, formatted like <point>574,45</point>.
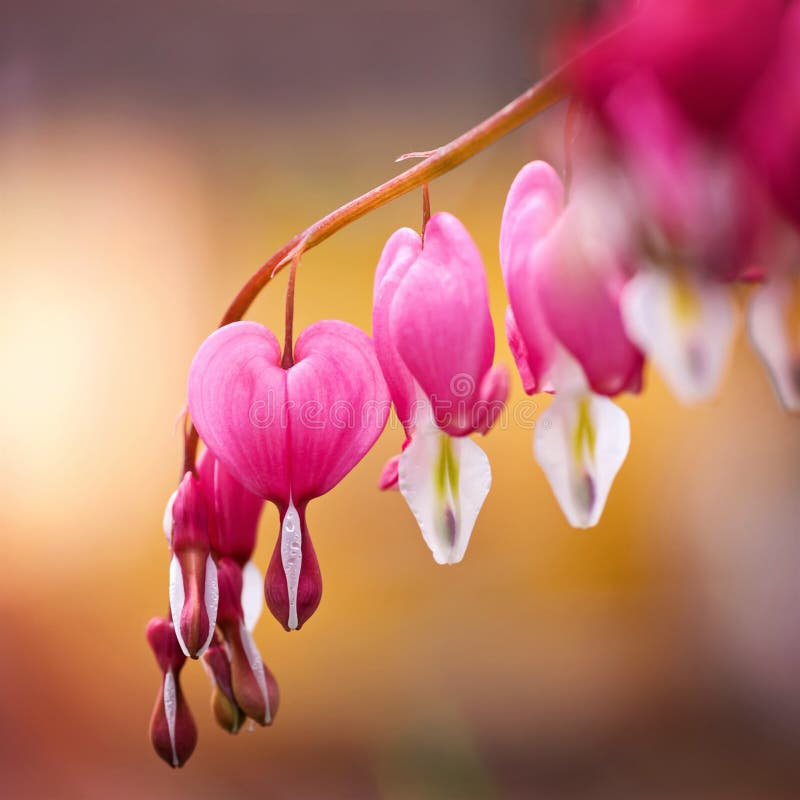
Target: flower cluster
<point>684,177</point>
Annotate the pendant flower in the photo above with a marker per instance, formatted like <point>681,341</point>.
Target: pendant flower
<point>172,729</point>
<point>289,435</point>
<point>193,591</point>
<point>566,332</point>
<point>233,525</point>
<point>435,343</point>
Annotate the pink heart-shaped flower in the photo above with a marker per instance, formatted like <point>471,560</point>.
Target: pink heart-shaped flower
<point>288,434</point>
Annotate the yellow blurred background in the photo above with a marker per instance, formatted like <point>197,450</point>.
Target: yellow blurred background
<point>151,156</point>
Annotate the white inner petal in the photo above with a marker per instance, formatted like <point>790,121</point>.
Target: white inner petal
<point>252,595</point>
<point>685,327</point>
<point>581,442</point>
<point>292,558</point>
<point>211,598</point>
<point>445,481</point>
<point>171,711</point>
<point>769,323</point>
<point>177,599</point>
<point>257,667</point>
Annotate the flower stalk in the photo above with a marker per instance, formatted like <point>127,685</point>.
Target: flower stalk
<point>538,98</point>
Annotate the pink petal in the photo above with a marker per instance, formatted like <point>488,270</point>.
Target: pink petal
<point>492,396</point>
<point>234,522</point>
<point>389,474</point>
<point>237,401</point>
<point>441,325</point>
<point>579,287</point>
<point>399,253</point>
<point>534,203</point>
<point>340,405</point>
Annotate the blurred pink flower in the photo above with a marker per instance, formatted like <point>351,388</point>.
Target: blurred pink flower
<point>565,329</point>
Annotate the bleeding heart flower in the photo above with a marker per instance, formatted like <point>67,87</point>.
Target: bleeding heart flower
<point>564,282</point>
<point>565,330</point>
<point>289,435</point>
<point>435,343</point>
<point>172,729</point>
<point>253,686</point>
<point>193,592</point>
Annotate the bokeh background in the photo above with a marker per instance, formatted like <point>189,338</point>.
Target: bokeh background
<point>151,156</point>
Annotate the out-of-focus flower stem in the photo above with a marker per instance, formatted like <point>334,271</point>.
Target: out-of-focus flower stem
<point>533,101</point>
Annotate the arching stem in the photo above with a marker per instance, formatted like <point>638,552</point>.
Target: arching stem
<point>288,351</point>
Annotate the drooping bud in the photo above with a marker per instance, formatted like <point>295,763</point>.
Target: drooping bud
<point>223,702</point>
<point>193,592</point>
<point>253,685</point>
<point>172,729</point>
<point>293,583</point>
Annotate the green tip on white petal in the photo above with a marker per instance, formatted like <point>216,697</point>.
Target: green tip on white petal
<point>580,443</point>
<point>685,327</point>
<point>445,481</point>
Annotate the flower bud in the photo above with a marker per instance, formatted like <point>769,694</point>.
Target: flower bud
<point>172,729</point>
<point>254,688</point>
<point>223,703</point>
<point>193,592</point>
<point>293,583</point>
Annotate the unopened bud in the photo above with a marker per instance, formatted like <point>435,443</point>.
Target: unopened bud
<point>193,592</point>
<point>253,685</point>
<point>223,703</point>
<point>172,729</point>
<point>293,583</point>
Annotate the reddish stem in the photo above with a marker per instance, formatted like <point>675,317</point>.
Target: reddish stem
<point>288,350</point>
<point>426,207</point>
<point>533,101</point>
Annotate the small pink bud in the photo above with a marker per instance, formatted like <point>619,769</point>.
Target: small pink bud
<point>172,729</point>
<point>491,398</point>
<point>193,576</point>
<point>223,702</point>
<point>253,686</point>
<point>293,583</point>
